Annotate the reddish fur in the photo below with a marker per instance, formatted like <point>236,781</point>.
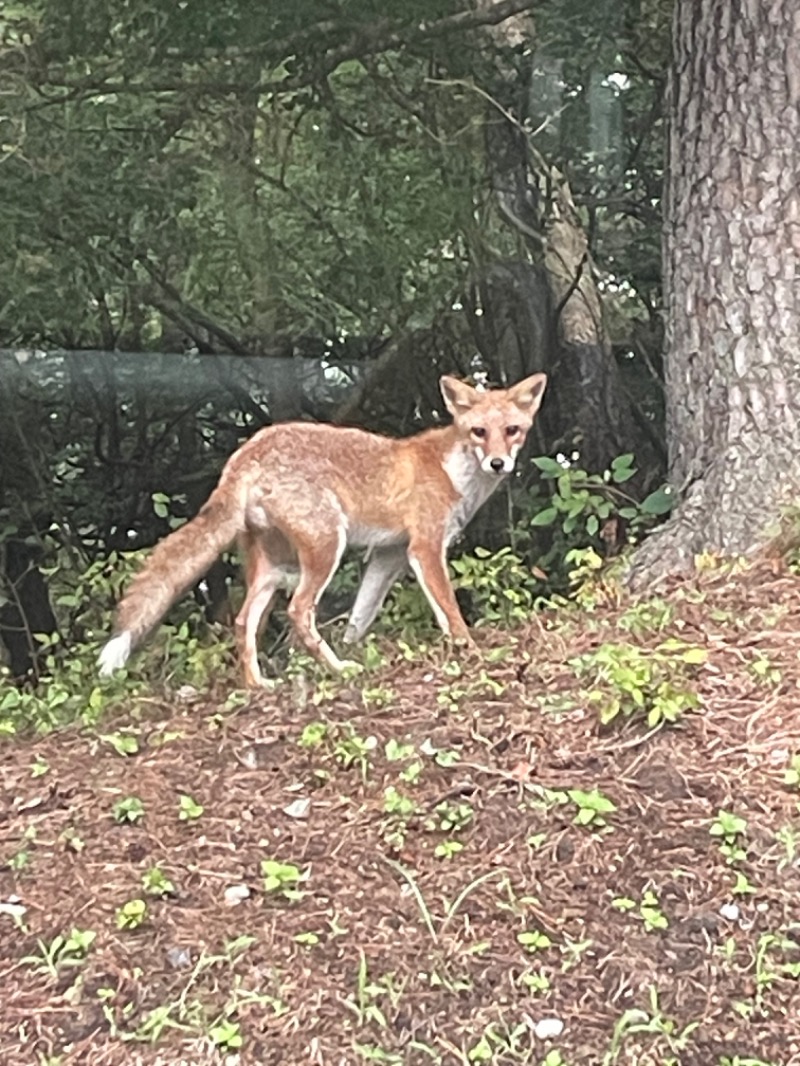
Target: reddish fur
<point>289,493</point>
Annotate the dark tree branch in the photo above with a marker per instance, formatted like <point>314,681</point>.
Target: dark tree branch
<point>192,313</point>
<point>371,40</point>
<point>573,285</point>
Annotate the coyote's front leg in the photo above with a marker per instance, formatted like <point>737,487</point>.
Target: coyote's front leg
<point>427,559</point>
<point>385,566</point>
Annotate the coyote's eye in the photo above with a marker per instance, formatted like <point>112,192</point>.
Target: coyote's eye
<point>512,431</point>
<point>478,432</point>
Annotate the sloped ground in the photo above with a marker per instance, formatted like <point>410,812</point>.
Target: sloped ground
<point>541,941</point>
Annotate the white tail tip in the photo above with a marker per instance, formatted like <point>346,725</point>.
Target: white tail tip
<point>114,654</point>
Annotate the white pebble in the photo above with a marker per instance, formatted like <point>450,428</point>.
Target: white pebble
<point>236,894</point>
<point>548,1028</point>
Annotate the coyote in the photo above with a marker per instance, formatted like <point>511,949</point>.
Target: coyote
<point>296,494</point>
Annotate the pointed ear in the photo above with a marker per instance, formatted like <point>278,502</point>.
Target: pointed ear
<point>527,394</point>
<point>458,395</point>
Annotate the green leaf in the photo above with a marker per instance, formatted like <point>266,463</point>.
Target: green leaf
<point>622,468</point>
<point>696,656</point>
<point>161,504</point>
<point>549,467</point>
<point>657,503</point>
<point>609,712</point>
<point>545,517</point>
<point>122,743</point>
<point>622,462</point>
<point>623,903</point>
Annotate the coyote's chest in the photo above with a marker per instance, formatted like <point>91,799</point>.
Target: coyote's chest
<point>473,485</point>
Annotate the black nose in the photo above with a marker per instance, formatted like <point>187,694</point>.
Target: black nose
<point>497,465</point>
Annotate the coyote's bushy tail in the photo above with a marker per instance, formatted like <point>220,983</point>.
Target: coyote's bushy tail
<point>175,564</point>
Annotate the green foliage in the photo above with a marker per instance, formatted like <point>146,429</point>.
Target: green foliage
<point>283,879</point>
<point>592,807</point>
<point>189,809</point>
<point>397,751</point>
<point>408,612</point>
<point>223,207</point>
<point>69,688</point>
<point>68,692</point>
<point>537,983</point>
<point>648,910</point>
<point>764,670</point>
<point>351,750</point>
<point>581,504</point>
<point>448,849</point>
<point>156,883</point>
<point>729,828</point>
<point>396,803</point>
<point>175,175</point>
<point>377,696</point>
<point>364,1003</point>
<point>314,735</point>
<point>647,616</point>
<point>502,587</point>
<point>131,914</point>
<point>130,809</point>
<point>533,940</point>
<point>791,776</point>
<point>226,1035</point>
<point>275,206</point>
<point>123,743</point>
<point>554,1058</point>
<point>40,767</point>
<point>63,952</point>
<point>664,1030</point>
<point>627,681</point>
<point>450,817</point>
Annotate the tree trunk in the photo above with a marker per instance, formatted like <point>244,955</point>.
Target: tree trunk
<point>732,247</point>
<point>596,415</point>
<point>25,608</point>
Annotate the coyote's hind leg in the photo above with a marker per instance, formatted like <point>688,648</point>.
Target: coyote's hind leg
<point>264,575</point>
<point>319,558</point>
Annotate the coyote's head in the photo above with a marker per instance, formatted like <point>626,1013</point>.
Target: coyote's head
<point>494,423</point>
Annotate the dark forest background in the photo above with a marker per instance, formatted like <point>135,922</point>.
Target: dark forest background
<point>218,215</point>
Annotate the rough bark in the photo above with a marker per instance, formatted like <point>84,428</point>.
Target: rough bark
<point>732,247</point>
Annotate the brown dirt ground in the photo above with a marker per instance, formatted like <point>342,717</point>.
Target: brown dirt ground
<point>427,967</point>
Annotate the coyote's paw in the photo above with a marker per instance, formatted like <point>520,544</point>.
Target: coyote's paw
<point>258,683</point>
